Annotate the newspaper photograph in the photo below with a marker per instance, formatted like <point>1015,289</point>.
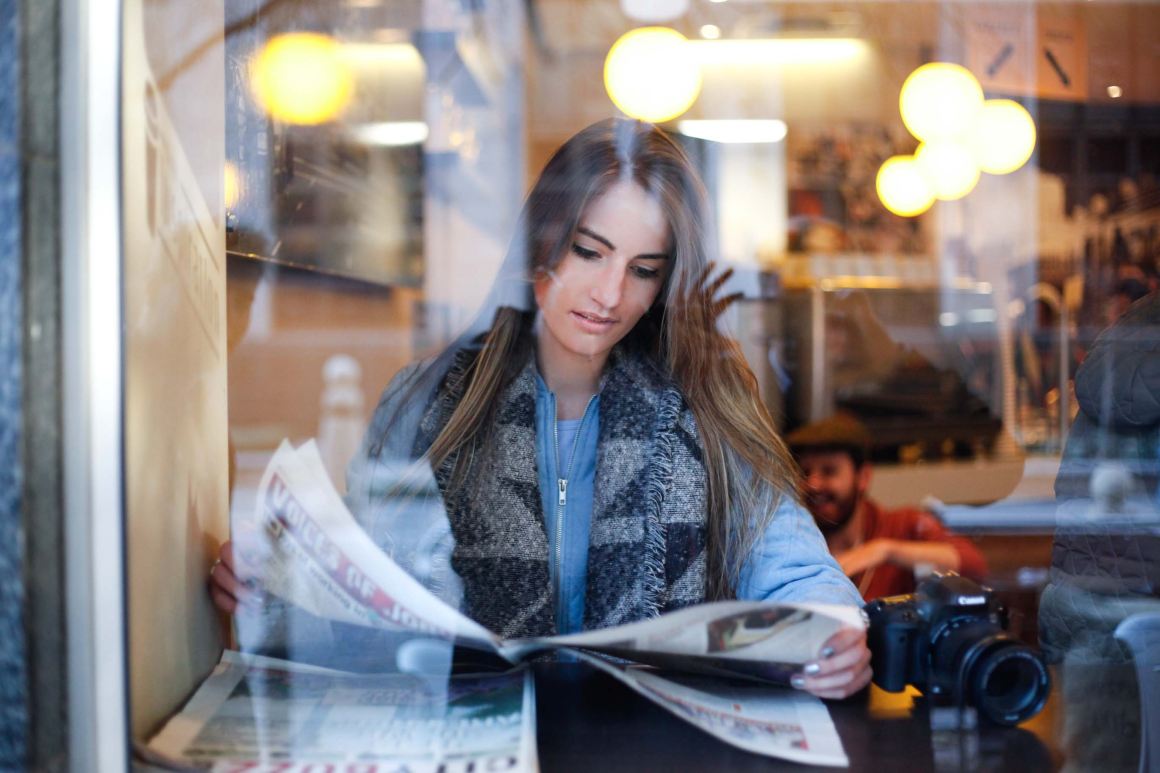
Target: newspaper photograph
<point>257,714</point>
<point>771,721</point>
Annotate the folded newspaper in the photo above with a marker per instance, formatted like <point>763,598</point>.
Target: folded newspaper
<point>257,714</point>
<point>320,559</point>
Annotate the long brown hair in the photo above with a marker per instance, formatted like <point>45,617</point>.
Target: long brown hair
<point>748,466</point>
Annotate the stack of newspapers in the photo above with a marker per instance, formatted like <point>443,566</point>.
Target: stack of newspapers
<point>257,713</point>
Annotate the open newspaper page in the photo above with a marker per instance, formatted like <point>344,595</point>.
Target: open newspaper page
<point>771,721</point>
<point>256,714</point>
<point>760,640</point>
<point>314,554</point>
<point>319,558</point>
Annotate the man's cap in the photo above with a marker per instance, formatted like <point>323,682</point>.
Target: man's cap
<point>841,430</point>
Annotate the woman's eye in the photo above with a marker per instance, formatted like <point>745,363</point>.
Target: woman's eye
<point>644,272</point>
<point>585,253</point>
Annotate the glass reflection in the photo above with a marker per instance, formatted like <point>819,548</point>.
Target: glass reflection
<point>983,328</point>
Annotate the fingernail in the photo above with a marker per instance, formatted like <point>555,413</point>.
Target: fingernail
<point>811,669</point>
<point>827,651</point>
<point>798,682</point>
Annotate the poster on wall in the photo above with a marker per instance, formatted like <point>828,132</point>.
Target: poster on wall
<point>176,448</point>
<point>833,205</point>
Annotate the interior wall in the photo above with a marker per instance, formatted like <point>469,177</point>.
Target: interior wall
<point>175,346</point>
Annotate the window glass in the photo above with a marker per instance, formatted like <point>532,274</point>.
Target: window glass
<point>381,255</point>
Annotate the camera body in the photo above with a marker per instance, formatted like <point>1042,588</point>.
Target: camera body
<point>949,640</point>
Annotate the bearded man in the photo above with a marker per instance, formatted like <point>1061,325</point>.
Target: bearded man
<point>879,549</point>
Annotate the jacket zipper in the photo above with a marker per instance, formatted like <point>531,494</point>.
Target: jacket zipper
<point>562,489</point>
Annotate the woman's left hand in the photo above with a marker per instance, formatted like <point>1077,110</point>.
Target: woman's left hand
<point>842,668</point>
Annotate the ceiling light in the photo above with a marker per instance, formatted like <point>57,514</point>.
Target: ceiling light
<point>734,130</point>
<point>1003,136</point>
<point>903,188</point>
<point>650,76</point>
<point>382,54</point>
<point>301,78</point>
<point>949,167</point>
<point>654,11</point>
<point>1115,92</point>
<point>773,51</point>
<point>391,133</point>
<point>710,31</point>
<point>940,100</point>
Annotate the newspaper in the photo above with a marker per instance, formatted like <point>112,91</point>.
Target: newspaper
<point>790,725</point>
<point>261,714</point>
<point>321,560</point>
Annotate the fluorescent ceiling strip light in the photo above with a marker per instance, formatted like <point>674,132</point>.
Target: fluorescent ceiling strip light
<point>397,54</point>
<point>752,131</point>
<point>777,50</point>
<point>391,133</point>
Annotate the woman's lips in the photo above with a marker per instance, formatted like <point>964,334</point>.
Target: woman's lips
<point>592,323</point>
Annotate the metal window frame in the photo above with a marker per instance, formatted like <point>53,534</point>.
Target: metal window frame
<point>92,389</point>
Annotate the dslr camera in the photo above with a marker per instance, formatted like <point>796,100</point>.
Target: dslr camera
<point>948,639</point>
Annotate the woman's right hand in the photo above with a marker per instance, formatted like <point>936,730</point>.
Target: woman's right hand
<point>227,591</point>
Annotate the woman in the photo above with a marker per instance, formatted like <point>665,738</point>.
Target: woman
<point>605,457</point>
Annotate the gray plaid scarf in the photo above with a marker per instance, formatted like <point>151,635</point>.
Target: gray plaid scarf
<point>646,552</point>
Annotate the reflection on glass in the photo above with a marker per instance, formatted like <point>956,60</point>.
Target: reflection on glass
<point>373,176</point>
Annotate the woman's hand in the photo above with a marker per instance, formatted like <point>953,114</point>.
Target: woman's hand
<point>842,669</point>
<point>227,591</point>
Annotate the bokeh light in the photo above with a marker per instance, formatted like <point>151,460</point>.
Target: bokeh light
<point>903,188</point>
<point>1003,136</point>
<point>940,100</point>
<point>302,78</point>
<point>650,75</point>
<point>231,186</point>
<point>949,167</point>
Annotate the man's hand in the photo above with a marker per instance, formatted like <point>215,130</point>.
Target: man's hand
<point>938,555</point>
<point>842,668</point>
<point>866,556</point>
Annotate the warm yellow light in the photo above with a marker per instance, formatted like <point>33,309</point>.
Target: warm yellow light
<point>940,100</point>
<point>949,167</point>
<point>650,75</point>
<point>302,77</point>
<point>232,186</point>
<point>1003,136</point>
<point>902,188</point>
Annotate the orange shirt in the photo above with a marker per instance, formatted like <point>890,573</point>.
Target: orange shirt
<point>913,525</point>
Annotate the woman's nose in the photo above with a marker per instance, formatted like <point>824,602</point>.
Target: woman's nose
<point>609,286</point>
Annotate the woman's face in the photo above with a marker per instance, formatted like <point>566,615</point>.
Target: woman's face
<point>609,277</point>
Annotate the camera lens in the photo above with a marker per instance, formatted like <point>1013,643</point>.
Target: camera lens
<point>1009,683</point>
<point>1002,678</point>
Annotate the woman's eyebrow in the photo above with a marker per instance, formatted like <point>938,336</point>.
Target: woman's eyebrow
<point>593,235</point>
